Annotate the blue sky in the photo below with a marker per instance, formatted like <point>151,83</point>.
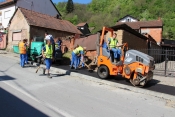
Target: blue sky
<point>75,1</point>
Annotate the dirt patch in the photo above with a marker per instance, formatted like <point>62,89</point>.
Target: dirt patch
<point>170,103</point>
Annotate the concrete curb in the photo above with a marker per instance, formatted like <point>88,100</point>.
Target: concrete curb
<point>109,83</point>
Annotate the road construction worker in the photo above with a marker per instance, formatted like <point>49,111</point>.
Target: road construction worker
<point>47,54</point>
<point>104,45</point>
<point>81,57</point>
<point>58,44</point>
<point>74,61</point>
<point>113,46</point>
<point>49,36</point>
<point>27,51</point>
<point>22,51</point>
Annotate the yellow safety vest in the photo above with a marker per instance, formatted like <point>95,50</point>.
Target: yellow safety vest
<point>56,45</point>
<point>49,51</point>
<point>80,48</point>
<point>113,43</point>
<point>22,48</point>
<point>76,51</point>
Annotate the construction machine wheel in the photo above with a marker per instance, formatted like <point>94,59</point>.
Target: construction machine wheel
<point>140,81</point>
<point>103,72</point>
<point>38,60</point>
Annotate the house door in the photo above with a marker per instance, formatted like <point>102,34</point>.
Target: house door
<point>2,41</point>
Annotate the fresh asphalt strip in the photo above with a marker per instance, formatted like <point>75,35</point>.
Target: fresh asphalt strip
<point>152,86</point>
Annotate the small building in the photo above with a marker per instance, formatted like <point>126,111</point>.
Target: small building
<point>128,18</point>
<point>84,28</point>
<point>90,43</point>
<point>153,28</point>
<point>8,7</point>
<point>27,24</point>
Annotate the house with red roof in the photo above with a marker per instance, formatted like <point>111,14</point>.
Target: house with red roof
<point>8,7</point>
<point>152,28</point>
<point>31,25</point>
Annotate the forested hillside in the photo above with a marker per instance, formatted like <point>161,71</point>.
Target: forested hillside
<point>106,13</point>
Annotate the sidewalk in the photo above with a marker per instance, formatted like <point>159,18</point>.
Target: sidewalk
<point>164,87</point>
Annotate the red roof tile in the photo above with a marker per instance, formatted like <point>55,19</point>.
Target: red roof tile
<point>42,20</point>
<point>140,24</point>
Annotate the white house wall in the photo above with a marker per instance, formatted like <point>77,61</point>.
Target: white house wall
<point>130,19</point>
<point>7,13</point>
<point>41,6</point>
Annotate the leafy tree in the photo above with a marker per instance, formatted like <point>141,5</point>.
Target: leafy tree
<point>70,6</point>
<point>100,13</point>
<point>170,34</point>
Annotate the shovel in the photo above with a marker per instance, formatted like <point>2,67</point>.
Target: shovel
<point>89,69</point>
<point>39,64</point>
<point>37,68</point>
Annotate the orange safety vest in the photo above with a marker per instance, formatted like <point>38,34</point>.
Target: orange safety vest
<point>22,48</point>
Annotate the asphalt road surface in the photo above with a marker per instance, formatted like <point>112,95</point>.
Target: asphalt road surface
<point>152,86</point>
<point>23,93</point>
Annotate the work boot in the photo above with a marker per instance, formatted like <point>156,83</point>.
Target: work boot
<point>48,75</point>
<point>71,67</point>
<point>115,60</point>
<point>44,70</point>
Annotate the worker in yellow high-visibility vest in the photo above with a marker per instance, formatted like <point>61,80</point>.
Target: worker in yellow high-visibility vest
<point>74,61</point>
<point>47,54</point>
<point>113,46</point>
<point>81,57</point>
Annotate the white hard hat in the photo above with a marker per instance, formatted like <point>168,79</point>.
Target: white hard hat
<point>48,37</point>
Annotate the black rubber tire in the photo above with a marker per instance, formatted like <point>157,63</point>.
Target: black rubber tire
<point>38,60</point>
<point>103,72</point>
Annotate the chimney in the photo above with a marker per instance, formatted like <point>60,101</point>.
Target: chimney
<point>58,17</point>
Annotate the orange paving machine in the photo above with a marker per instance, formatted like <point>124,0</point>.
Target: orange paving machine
<point>133,65</point>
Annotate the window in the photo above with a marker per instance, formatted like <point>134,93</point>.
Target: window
<point>128,19</point>
<point>7,14</point>
<point>16,36</point>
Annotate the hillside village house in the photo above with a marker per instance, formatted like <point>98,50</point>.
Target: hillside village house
<point>128,18</point>
<point>153,28</point>
<point>84,28</point>
<point>8,7</point>
<point>32,25</point>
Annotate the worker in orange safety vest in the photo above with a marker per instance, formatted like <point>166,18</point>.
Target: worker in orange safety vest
<point>22,51</point>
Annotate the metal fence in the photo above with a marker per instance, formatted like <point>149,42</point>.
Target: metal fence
<point>164,60</point>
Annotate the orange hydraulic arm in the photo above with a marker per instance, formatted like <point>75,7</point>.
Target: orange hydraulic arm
<point>102,36</point>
